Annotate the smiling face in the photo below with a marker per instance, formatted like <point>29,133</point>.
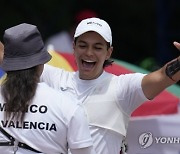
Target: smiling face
<point>90,52</point>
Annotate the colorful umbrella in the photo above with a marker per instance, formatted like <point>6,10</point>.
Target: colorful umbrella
<point>164,103</point>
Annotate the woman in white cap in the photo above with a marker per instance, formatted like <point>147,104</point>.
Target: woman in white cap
<point>108,99</point>
<point>35,118</point>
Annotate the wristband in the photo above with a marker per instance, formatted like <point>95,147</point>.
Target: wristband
<point>172,68</point>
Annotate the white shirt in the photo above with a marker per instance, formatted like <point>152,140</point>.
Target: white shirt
<point>128,90</point>
<point>53,120</point>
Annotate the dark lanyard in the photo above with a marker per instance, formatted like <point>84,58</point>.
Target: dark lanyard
<point>11,142</point>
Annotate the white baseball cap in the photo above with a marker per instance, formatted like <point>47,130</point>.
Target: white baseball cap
<point>97,25</point>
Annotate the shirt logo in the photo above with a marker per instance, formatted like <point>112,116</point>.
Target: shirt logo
<point>95,23</point>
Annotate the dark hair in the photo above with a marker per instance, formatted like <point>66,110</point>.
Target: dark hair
<point>18,90</point>
<point>107,62</point>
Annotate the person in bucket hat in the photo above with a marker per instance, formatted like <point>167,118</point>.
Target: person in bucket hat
<point>108,99</point>
<point>35,118</point>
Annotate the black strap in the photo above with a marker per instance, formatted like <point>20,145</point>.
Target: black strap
<point>11,142</point>
<point>25,146</point>
<point>172,68</point>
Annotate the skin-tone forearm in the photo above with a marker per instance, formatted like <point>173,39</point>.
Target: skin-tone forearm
<point>1,51</point>
<point>155,82</point>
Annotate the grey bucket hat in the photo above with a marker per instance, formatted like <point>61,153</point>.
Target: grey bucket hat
<point>23,48</point>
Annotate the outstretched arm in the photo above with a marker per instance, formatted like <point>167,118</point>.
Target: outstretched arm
<point>156,82</point>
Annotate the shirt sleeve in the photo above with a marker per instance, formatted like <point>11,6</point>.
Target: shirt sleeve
<point>78,130</point>
<point>129,92</point>
<point>51,76</point>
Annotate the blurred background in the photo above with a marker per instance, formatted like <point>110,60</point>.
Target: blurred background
<point>143,30</point>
